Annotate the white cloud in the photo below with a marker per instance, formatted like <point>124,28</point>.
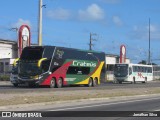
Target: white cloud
<point>111,1</point>
<point>117,21</point>
<point>142,32</point>
<point>59,14</point>
<point>21,22</point>
<point>92,13</point>
<point>153,28</point>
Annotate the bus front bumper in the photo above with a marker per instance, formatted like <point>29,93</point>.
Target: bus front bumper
<point>121,79</point>
<point>34,80</point>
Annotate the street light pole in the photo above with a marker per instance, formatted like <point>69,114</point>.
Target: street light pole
<point>40,24</point>
<point>149,51</point>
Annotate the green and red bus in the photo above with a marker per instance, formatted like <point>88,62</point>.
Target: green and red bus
<point>59,66</point>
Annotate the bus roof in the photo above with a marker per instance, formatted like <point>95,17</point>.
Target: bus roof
<point>135,64</point>
<point>67,48</point>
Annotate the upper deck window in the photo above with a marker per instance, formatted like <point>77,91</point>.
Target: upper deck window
<point>30,53</point>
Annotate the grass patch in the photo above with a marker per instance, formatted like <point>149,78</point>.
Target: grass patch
<point>74,95</point>
<point>4,77</point>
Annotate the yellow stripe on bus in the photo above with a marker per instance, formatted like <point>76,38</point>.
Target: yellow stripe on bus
<point>95,74</point>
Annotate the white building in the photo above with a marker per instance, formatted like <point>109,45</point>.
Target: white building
<point>8,52</point>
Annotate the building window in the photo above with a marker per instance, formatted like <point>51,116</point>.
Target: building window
<point>1,67</point>
<point>6,63</point>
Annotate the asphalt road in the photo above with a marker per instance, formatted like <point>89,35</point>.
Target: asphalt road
<point>112,110</point>
<point>9,87</point>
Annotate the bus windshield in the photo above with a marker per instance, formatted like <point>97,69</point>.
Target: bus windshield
<point>121,70</point>
<point>32,53</point>
<point>29,69</point>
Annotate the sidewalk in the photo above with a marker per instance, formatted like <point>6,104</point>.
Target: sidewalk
<point>5,83</point>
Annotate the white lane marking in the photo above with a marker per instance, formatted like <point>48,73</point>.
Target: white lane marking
<point>157,110</point>
<point>88,106</point>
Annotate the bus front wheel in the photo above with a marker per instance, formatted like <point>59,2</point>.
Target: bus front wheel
<point>120,82</point>
<point>31,85</point>
<point>15,84</point>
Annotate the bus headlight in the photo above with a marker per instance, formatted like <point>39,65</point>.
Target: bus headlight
<point>36,77</point>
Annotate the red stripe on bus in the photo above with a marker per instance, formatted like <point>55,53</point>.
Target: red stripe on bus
<point>59,73</point>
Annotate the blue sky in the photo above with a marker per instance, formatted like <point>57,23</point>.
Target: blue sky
<point>69,23</point>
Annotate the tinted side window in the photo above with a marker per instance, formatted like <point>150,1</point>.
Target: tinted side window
<point>78,70</point>
<point>32,53</point>
<point>48,52</point>
<point>45,65</point>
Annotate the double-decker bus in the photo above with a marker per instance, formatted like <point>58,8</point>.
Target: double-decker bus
<point>58,66</point>
<point>133,73</point>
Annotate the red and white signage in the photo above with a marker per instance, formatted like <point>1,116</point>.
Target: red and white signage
<point>24,38</point>
<point>122,54</point>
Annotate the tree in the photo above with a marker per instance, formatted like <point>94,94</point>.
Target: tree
<point>143,62</point>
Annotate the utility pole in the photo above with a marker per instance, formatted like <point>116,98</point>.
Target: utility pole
<point>40,24</point>
<point>90,40</point>
<point>149,51</point>
<point>16,30</point>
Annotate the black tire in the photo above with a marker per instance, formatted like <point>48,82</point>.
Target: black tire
<point>15,84</point>
<point>120,82</point>
<point>95,82</point>
<point>90,82</point>
<point>31,85</point>
<point>134,80</point>
<point>60,83</point>
<point>52,83</point>
<point>145,79</point>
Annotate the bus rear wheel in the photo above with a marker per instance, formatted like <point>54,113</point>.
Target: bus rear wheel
<point>95,82</point>
<point>59,83</point>
<point>120,82</point>
<point>90,82</point>
<point>52,83</point>
<point>145,81</point>
<point>134,80</point>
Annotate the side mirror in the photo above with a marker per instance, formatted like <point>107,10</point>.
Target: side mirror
<point>40,61</point>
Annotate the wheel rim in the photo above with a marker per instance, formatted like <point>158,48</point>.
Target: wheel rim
<point>134,80</point>
<point>95,82</point>
<point>146,80</point>
<point>90,82</point>
<point>52,84</point>
<point>59,82</point>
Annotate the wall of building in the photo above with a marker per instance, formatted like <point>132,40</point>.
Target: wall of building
<point>8,49</point>
<point>8,52</point>
<point>6,65</point>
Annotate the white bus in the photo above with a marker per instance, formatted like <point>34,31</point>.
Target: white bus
<point>133,73</point>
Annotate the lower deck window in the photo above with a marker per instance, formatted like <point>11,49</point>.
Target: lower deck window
<point>78,70</point>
